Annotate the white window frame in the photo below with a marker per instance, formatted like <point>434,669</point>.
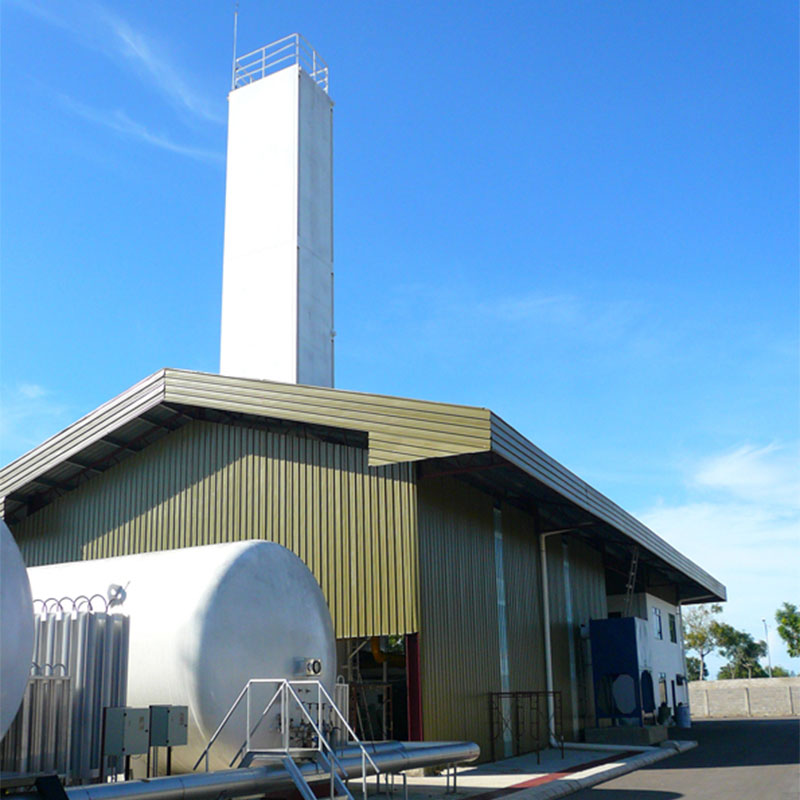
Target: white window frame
<point>673,627</point>
<point>658,625</point>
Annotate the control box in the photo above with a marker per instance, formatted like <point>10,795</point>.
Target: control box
<point>169,726</point>
<point>127,731</point>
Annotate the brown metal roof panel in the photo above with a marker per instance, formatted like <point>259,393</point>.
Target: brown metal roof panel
<point>406,448</point>
<point>510,444</point>
<point>331,415</point>
<point>88,429</point>
<point>201,382</point>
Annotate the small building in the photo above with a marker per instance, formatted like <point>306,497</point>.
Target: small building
<point>438,527</point>
<point>665,643</point>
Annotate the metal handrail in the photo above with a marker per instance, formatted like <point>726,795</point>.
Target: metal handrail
<point>292,49</point>
<point>322,740</point>
<point>260,720</point>
<point>284,686</point>
<point>222,724</point>
<point>287,684</point>
<point>348,728</point>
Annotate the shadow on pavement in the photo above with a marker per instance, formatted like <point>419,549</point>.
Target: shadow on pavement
<point>740,742</point>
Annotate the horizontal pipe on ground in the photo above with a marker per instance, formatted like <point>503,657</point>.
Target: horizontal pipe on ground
<point>390,757</point>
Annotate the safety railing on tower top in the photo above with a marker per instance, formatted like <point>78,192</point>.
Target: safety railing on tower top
<point>292,49</point>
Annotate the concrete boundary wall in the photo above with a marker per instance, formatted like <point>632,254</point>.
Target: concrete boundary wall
<point>759,697</point>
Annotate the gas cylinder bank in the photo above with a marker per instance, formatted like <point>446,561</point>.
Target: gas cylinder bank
<point>203,622</point>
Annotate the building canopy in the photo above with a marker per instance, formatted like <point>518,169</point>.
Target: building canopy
<point>469,442</point>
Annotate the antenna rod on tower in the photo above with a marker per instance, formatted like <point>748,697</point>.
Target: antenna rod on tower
<point>235,31</point>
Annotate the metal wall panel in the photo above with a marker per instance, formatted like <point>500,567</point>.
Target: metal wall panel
<point>353,525</point>
<point>459,648</point>
<point>587,601</point>
<point>524,599</point>
<point>459,638</point>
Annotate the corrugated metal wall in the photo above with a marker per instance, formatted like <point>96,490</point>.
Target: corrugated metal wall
<point>588,601</point>
<point>459,642</point>
<point>524,602</point>
<point>355,526</point>
<point>459,650</point>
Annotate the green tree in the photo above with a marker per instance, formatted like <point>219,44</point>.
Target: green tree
<point>698,633</point>
<point>788,619</point>
<point>741,651</point>
<point>693,669</point>
<point>780,672</point>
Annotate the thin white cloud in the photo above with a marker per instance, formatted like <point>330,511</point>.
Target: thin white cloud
<point>574,316</point>
<point>741,522</point>
<point>95,27</point>
<point>29,414</point>
<point>768,474</point>
<point>119,122</point>
<point>148,57</point>
<point>31,391</point>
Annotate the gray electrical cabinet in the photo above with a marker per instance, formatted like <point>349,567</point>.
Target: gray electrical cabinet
<point>127,731</point>
<point>169,725</point>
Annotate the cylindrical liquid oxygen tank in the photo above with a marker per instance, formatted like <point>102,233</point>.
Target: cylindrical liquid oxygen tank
<point>203,621</point>
<point>16,630</point>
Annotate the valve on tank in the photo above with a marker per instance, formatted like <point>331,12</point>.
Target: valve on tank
<point>312,667</point>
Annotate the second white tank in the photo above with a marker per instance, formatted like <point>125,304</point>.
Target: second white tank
<point>204,620</point>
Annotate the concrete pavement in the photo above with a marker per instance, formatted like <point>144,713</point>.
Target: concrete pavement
<point>738,759</point>
<point>553,776</point>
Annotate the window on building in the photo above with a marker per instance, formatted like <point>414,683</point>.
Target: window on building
<point>614,614</point>
<point>658,627</point>
<point>673,628</point>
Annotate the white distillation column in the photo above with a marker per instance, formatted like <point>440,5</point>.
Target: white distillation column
<point>277,280</point>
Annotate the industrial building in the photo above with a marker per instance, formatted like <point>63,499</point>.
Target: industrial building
<point>461,564</point>
<point>422,520</point>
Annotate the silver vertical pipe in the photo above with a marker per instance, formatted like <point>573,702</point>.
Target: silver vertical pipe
<point>79,756</point>
<point>87,699</point>
<point>37,636</point>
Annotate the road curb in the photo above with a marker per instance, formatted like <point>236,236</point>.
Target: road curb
<point>565,786</point>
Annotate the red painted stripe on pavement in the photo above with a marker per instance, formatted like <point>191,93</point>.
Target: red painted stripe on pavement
<point>552,776</point>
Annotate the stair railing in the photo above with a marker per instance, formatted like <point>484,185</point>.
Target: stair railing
<point>284,692</point>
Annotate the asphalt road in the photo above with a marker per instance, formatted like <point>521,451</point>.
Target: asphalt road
<point>740,759</point>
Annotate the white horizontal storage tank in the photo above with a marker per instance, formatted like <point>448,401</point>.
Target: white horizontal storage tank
<point>203,621</point>
<point>16,631</point>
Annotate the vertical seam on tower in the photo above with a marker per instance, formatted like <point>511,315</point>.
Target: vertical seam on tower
<point>297,235</point>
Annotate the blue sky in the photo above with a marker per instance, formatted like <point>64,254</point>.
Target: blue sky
<point>582,215</point>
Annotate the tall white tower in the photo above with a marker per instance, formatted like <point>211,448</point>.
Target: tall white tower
<point>277,275</point>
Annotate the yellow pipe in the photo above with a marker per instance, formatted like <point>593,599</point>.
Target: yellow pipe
<point>393,659</point>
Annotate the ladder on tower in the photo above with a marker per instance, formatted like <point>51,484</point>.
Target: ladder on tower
<point>631,584</point>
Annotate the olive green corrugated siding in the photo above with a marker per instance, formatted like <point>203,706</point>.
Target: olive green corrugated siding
<point>588,583</point>
<point>459,640</point>
<point>355,526</point>
<point>523,602</point>
<point>459,655</point>
<point>588,595</point>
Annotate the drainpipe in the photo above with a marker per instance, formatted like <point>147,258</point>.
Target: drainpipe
<point>548,651</point>
<point>548,664</point>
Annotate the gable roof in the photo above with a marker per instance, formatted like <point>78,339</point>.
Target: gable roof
<point>393,429</point>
